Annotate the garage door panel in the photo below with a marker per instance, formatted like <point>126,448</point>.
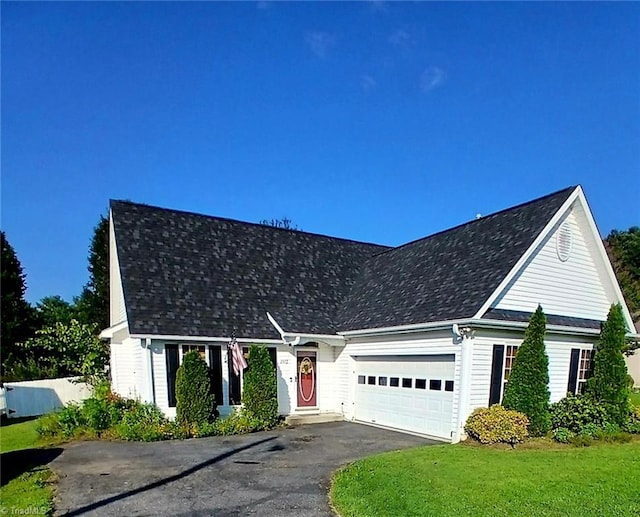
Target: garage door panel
<point>406,392</point>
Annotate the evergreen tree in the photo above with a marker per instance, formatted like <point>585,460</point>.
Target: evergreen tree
<point>527,390</point>
<point>608,385</point>
<point>17,317</point>
<point>260,394</point>
<point>93,304</point>
<point>195,404</point>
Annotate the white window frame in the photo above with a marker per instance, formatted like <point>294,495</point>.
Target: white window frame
<point>508,348</point>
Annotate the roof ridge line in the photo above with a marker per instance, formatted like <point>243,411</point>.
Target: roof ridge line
<point>248,223</point>
<point>484,217</point>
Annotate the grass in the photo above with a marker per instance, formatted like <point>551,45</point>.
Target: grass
<point>635,398</point>
<point>461,480</point>
<point>30,490</point>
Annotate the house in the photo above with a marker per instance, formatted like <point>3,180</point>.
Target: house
<point>412,338</point>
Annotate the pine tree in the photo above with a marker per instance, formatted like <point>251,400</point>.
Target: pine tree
<point>17,317</point>
<point>93,304</point>
<point>608,385</point>
<point>260,394</point>
<point>527,390</point>
<point>195,404</point>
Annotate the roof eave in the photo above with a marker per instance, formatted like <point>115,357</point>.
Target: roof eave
<point>474,322</point>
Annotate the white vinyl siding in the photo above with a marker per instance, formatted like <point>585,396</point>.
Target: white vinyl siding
<point>480,375</point>
<point>127,369</point>
<point>576,287</point>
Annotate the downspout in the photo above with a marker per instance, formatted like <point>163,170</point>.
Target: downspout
<point>151,376</point>
<point>466,351</point>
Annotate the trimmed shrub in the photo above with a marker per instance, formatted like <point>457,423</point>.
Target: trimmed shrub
<point>259,395</point>
<point>575,412</point>
<point>527,390</point>
<point>194,401</point>
<point>609,384</point>
<point>497,424</point>
<point>563,435</point>
<point>143,422</point>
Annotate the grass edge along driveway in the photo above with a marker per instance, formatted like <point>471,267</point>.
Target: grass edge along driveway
<point>31,488</point>
<point>462,479</point>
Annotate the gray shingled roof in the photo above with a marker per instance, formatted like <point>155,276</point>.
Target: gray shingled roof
<point>448,275</point>
<point>193,275</point>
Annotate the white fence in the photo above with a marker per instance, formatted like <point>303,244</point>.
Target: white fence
<point>34,398</point>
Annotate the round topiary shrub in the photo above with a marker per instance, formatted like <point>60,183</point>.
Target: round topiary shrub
<point>497,425</point>
<point>259,394</point>
<point>194,401</point>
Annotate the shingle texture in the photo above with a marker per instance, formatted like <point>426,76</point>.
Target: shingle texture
<point>448,275</point>
<point>552,319</point>
<point>192,275</point>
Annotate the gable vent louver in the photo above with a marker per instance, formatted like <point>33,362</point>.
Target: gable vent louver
<point>564,241</point>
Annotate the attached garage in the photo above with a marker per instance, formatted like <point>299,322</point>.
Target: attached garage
<point>412,393</point>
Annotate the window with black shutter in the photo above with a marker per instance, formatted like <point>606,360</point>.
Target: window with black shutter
<point>173,362</point>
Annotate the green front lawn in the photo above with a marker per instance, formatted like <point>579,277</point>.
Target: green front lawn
<point>635,398</point>
<point>31,489</point>
<point>470,480</point>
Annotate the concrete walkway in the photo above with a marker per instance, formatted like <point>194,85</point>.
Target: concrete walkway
<point>283,472</point>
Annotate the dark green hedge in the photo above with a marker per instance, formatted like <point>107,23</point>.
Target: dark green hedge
<point>195,403</point>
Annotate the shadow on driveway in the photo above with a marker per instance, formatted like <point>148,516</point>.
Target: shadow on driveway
<point>281,472</point>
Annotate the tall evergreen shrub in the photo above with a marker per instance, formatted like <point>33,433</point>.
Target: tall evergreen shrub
<point>527,390</point>
<point>608,385</point>
<point>195,403</point>
<point>260,395</point>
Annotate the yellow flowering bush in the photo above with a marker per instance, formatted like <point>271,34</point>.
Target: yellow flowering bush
<point>497,425</point>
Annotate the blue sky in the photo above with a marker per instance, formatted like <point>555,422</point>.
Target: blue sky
<point>381,122</point>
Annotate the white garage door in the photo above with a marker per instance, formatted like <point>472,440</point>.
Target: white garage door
<point>412,393</point>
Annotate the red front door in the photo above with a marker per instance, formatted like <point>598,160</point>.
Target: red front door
<point>307,379</point>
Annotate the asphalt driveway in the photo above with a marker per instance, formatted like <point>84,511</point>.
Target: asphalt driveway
<point>283,472</point>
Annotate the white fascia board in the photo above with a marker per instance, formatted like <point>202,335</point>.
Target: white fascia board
<point>527,254</point>
<point>167,337</point>
<point>605,259</point>
<point>404,328</point>
<point>474,323</point>
<point>110,331</point>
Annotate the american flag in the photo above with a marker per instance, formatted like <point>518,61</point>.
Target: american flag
<point>239,363</point>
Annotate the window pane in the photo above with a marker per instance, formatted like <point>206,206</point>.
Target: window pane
<point>407,383</point>
<point>435,384</point>
<point>448,385</point>
<point>371,380</point>
<point>361,379</point>
<point>382,381</point>
<point>421,384</point>
<point>394,382</point>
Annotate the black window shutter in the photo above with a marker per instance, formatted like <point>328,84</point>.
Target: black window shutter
<point>234,382</point>
<point>272,356</point>
<point>172,359</point>
<point>215,369</point>
<point>573,370</point>
<point>495,391</point>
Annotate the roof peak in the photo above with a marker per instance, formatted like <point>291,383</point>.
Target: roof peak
<point>483,218</point>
